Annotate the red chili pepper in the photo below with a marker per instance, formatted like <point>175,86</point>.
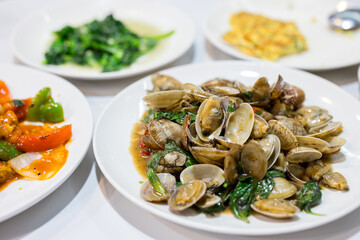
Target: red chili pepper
<point>44,140</point>
<point>146,131</point>
<point>142,145</point>
<point>257,110</point>
<point>145,153</point>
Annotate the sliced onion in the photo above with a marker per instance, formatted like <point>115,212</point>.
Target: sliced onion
<point>21,164</point>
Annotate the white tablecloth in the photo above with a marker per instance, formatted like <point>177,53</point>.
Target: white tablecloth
<point>86,206</point>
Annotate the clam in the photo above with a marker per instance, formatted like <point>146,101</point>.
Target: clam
<point>210,119</point>
<point>276,208</point>
<point>314,117</point>
<point>334,144</point>
<point>292,95</point>
<point>239,124</point>
<point>312,142</point>
<point>280,162</point>
<point>208,200</point>
<point>164,82</point>
<point>212,175</point>
<point>254,160</point>
<point>276,151</point>
<point>231,163</point>
<point>216,83</point>
<point>302,154</point>
<point>164,99</point>
<point>233,102</point>
<point>282,188</point>
<point>287,138</point>
<point>184,132</point>
<point>261,89</point>
<point>295,172</point>
<point>187,195</point>
<point>224,91</point>
<point>209,155</point>
<point>260,127</point>
<point>276,89</point>
<point>335,180</point>
<point>328,130</point>
<point>173,162</point>
<point>148,193</point>
<point>294,126</point>
<point>315,170</point>
<point>161,130</point>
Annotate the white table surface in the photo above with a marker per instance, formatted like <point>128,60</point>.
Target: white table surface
<point>86,206</point>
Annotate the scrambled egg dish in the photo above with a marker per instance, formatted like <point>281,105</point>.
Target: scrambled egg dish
<point>265,38</point>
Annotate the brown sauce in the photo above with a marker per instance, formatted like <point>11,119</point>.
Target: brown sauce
<point>139,160</point>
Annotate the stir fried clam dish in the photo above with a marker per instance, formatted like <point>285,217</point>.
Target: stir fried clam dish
<point>226,145</point>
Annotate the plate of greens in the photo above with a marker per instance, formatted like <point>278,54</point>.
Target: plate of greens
<point>103,40</point>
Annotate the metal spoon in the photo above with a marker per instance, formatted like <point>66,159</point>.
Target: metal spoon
<point>345,20</point>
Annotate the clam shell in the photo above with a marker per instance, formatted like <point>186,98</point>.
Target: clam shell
<point>282,188</point>
<point>210,119</point>
<point>187,195</point>
<point>239,124</point>
<point>164,99</point>
<point>312,142</point>
<point>208,200</point>
<point>276,208</point>
<point>161,130</point>
<point>287,138</point>
<point>254,160</point>
<point>302,154</point>
<point>148,193</point>
<point>212,175</point>
<point>209,155</point>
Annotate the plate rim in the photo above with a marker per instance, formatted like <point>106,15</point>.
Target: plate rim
<point>188,223</point>
<point>241,56</point>
<point>116,75</point>
<point>80,157</point>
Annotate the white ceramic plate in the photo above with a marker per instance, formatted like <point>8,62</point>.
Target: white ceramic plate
<point>33,35</point>
<point>327,48</point>
<point>24,82</point>
<point>112,138</point>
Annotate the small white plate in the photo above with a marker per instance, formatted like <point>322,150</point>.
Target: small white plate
<point>327,48</point>
<point>24,82</point>
<point>112,139</point>
<point>32,36</point>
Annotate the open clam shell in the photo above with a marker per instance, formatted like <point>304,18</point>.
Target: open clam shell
<point>239,124</point>
<point>187,195</point>
<point>148,193</point>
<point>210,119</point>
<point>161,130</point>
<point>209,155</point>
<point>282,188</point>
<point>212,175</point>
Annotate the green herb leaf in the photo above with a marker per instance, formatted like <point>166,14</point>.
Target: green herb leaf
<point>230,109</point>
<point>309,196</point>
<point>148,115</point>
<point>18,103</point>
<point>248,94</point>
<point>273,173</point>
<point>177,117</point>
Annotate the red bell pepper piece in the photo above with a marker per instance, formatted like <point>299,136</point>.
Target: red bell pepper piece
<point>44,140</point>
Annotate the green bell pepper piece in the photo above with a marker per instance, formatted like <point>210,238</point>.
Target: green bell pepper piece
<point>8,151</point>
<point>44,109</point>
